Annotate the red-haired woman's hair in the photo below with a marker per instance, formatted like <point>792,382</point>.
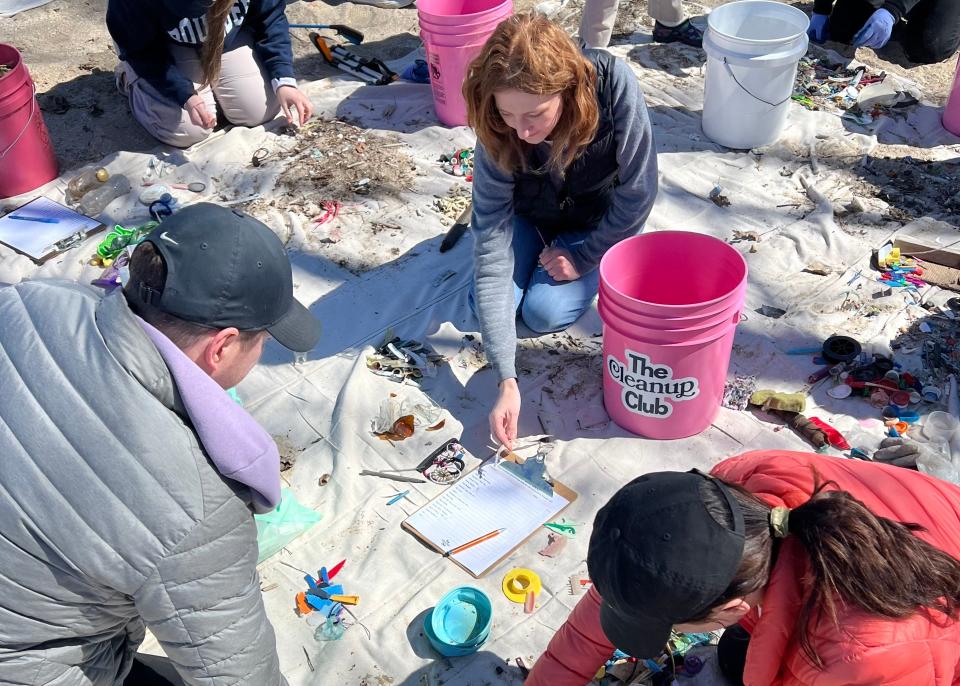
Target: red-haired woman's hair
<point>529,53</point>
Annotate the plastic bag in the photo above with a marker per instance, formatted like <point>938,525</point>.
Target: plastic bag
<point>278,528</point>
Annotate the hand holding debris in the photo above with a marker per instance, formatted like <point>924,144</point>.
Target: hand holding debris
<point>559,264</point>
<point>504,416</point>
<point>292,98</point>
<point>199,114</point>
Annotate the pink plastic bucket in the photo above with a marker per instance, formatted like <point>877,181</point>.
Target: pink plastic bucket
<point>664,391</point>
<point>951,112</point>
<point>453,33</point>
<point>27,160</point>
<point>670,303</point>
<point>674,274</point>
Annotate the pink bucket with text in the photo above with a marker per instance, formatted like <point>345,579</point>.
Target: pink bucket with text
<point>663,379</point>
<point>453,33</point>
<point>27,160</point>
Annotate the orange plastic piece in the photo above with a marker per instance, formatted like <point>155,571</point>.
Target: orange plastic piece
<point>302,606</point>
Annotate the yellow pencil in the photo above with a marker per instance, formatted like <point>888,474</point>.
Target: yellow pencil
<point>470,544</point>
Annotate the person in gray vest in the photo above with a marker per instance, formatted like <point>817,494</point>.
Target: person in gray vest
<point>565,167</point>
<point>129,478</point>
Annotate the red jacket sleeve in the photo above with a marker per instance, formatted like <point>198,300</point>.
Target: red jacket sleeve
<point>577,650</point>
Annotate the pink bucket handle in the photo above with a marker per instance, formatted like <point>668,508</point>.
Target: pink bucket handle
<point>26,125</point>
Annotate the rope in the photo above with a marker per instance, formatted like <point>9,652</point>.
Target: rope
<point>734,77</point>
<point>33,109</point>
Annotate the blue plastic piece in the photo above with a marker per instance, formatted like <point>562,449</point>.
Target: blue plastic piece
<point>324,576</point>
<point>460,623</point>
<point>323,605</point>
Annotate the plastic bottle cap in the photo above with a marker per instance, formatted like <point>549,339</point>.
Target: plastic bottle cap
<point>840,391</point>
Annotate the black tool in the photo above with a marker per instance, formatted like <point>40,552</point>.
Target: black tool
<point>370,69</point>
<point>350,34</point>
<point>455,232</point>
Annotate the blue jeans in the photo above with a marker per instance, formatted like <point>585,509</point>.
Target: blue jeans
<point>546,305</point>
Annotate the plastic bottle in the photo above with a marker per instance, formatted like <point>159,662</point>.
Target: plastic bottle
<point>86,181</point>
<point>94,202</point>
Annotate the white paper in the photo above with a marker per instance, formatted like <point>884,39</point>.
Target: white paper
<point>36,239</point>
<point>484,501</point>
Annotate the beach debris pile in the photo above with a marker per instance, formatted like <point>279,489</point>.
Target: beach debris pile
<point>860,93</point>
<point>452,205</point>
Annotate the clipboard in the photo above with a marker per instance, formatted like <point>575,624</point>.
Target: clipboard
<point>511,494</point>
<point>49,230</point>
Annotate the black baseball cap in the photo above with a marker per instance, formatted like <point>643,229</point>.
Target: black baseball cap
<point>227,269</point>
<point>658,558</point>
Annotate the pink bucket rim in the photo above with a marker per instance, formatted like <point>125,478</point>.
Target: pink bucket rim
<point>461,18</point>
<point>720,332</point>
<point>612,301</point>
<point>705,304</point>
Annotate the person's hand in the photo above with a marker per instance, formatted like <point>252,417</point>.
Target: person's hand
<point>292,98</point>
<point>199,114</point>
<point>819,30</point>
<point>876,32</point>
<point>506,412</point>
<point>559,264</point>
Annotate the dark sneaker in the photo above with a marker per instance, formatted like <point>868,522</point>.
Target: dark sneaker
<point>685,33</point>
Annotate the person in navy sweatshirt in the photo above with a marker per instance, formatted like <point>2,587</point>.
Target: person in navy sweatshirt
<point>180,59</point>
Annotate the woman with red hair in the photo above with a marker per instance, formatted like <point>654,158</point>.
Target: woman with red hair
<point>565,167</point>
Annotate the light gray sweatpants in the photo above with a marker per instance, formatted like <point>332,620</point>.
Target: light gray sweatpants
<point>599,16</point>
<point>243,91</point>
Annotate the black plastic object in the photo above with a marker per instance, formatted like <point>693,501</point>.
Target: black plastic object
<point>837,349</point>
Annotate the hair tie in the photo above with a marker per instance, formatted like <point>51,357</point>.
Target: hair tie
<point>780,521</point>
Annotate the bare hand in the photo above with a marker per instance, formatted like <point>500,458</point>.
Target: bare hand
<point>504,416</point>
<point>559,264</point>
<point>199,114</point>
<point>292,98</point>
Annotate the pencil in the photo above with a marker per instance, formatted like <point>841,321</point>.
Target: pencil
<point>470,544</point>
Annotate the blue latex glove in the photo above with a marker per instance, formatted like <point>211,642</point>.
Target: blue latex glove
<point>819,30</point>
<point>876,32</point>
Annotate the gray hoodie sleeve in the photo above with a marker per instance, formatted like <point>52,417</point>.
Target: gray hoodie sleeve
<point>637,160</point>
<point>492,226</point>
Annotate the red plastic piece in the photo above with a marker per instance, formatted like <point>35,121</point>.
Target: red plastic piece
<point>336,569</point>
<point>834,437</point>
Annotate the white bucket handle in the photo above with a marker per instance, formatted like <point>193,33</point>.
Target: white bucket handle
<point>33,110</point>
<point>755,97</point>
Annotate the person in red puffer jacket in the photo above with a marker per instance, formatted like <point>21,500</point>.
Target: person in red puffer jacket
<point>831,572</point>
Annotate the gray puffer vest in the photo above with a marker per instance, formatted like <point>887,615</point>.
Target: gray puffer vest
<point>111,515</point>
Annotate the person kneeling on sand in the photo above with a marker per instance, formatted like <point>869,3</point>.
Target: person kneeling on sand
<point>565,167</point>
<point>928,29</point>
<point>823,570</point>
<point>129,476</point>
<point>181,59</point>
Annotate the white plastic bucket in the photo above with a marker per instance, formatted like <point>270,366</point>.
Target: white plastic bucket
<point>753,47</point>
